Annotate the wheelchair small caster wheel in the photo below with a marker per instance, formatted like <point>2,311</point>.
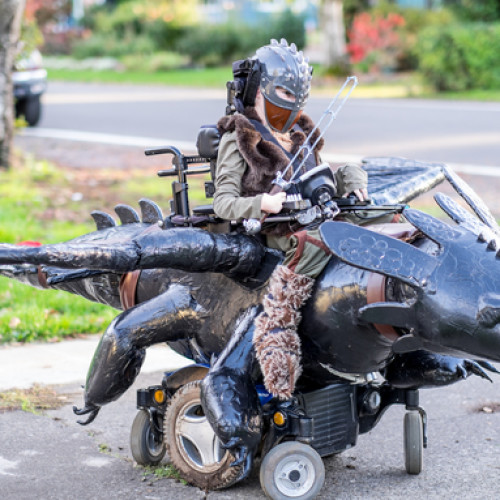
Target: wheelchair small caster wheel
<point>146,448</point>
<point>413,442</point>
<point>292,470</point>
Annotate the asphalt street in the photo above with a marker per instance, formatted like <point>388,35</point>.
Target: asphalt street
<point>49,456</point>
<point>431,130</point>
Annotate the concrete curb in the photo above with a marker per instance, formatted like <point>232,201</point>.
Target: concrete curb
<point>133,141</point>
<point>67,362</point>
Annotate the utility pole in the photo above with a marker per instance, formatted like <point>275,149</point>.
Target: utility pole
<point>78,11</point>
<point>334,38</point>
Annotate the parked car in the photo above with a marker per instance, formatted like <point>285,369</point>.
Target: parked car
<point>30,82</point>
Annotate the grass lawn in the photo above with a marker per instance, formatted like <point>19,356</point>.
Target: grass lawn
<point>208,77</point>
<point>43,203</point>
<point>384,86</point>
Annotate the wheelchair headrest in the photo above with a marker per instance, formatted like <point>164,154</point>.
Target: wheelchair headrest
<point>207,142</point>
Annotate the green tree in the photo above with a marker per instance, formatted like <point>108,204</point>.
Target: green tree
<point>11,13</point>
<point>473,10</point>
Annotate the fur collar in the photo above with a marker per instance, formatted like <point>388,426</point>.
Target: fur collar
<point>264,158</point>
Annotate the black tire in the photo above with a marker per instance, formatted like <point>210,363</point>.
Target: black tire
<point>413,442</point>
<point>20,107</point>
<point>292,470</point>
<point>192,445</point>
<point>32,110</point>
<point>145,447</point>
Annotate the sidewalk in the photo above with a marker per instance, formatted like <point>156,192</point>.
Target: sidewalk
<point>67,362</point>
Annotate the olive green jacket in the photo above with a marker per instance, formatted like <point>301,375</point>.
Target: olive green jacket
<point>228,202</point>
<point>230,205</point>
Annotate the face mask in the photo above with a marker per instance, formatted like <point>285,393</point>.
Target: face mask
<point>280,119</point>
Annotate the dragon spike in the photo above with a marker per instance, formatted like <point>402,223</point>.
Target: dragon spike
<point>102,219</point>
<point>151,213</point>
<point>472,199</point>
<point>463,217</point>
<point>127,214</point>
<point>492,245</point>
<point>435,229</point>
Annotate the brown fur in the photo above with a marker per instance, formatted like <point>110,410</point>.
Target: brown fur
<point>276,341</point>
<point>265,158</point>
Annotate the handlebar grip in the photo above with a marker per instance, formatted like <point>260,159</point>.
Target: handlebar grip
<point>166,173</point>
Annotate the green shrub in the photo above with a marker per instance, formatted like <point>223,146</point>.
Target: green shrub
<point>415,21</point>
<point>159,61</point>
<point>461,57</point>
<point>100,45</point>
<point>473,11</point>
<point>155,24</point>
<point>213,45</point>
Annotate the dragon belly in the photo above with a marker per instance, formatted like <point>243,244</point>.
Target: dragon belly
<point>222,300</point>
<point>333,336</point>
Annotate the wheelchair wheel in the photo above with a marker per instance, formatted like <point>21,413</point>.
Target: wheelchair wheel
<point>292,470</point>
<point>413,442</point>
<point>192,445</point>
<point>144,444</point>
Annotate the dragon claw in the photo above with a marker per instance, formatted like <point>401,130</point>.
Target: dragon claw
<point>477,368</point>
<point>244,459</point>
<point>488,366</point>
<point>92,412</point>
<point>243,455</point>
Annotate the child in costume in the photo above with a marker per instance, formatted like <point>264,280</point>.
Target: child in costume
<point>256,143</point>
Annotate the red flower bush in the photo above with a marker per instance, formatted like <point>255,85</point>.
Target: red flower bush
<point>375,41</point>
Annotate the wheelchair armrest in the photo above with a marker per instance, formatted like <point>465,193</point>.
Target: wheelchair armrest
<point>204,210</point>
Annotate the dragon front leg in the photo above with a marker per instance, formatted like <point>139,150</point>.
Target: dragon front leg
<point>229,396</point>
<point>119,356</point>
<point>426,369</point>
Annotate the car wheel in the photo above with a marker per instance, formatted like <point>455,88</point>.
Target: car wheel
<point>32,110</point>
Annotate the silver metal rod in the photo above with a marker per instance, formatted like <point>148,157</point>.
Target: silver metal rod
<point>330,113</point>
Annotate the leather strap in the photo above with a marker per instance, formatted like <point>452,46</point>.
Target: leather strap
<point>304,238</point>
<point>375,292</point>
<point>128,287</point>
<point>266,134</point>
<point>42,277</point>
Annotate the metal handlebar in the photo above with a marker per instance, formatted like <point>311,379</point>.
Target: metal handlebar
<point>330,113</point>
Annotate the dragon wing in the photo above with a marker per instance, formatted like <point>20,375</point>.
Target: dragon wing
<point>399,180</point>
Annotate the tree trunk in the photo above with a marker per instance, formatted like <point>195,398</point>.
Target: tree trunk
<point>11,12</point>
<point>334,33</point>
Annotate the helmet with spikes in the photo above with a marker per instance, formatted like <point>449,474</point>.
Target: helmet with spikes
<point>282,66</point>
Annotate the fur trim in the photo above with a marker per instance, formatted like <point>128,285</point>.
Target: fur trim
<point>281,368</point>
<point>276,342</point>
<point>264,158</point>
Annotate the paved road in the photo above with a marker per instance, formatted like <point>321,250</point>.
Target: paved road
<point>448,131</point>
<point>51,457</point>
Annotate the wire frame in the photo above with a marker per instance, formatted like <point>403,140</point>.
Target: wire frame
<point>326,119</point>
